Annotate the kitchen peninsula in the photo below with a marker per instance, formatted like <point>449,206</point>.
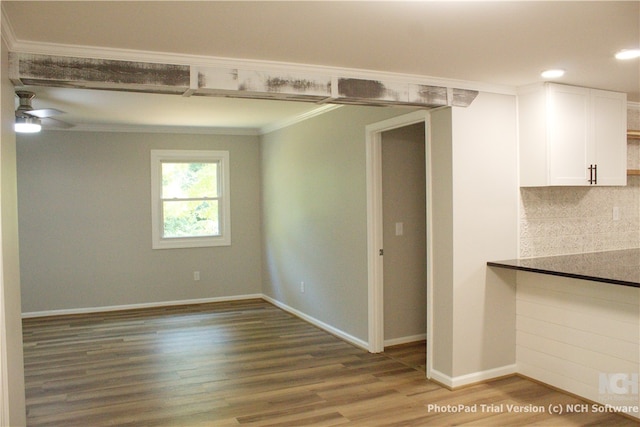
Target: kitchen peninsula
<point>615,267</point>
<point>578,324</point>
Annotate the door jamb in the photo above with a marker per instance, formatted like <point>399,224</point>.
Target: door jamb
<point>374,229</point>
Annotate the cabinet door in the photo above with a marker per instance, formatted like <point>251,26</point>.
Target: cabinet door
<point>609,127</point>
<point>568,135</point>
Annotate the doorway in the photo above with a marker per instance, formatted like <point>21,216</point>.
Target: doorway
<point>376,238</point>
<point>404,234</point>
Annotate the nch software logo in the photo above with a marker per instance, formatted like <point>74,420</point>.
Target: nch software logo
<point>618,383</point>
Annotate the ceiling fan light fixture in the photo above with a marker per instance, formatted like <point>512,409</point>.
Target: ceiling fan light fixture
<point>628,54</point>
<point>27,125</point>
<point>552,73</point>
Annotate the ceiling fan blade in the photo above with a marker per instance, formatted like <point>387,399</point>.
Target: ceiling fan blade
<point>45,112</point>
<point>50,123</point>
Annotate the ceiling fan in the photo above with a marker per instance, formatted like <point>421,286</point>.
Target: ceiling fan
<point>29,120</point>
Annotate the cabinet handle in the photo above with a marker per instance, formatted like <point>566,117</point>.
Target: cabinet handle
<point>593,174</point>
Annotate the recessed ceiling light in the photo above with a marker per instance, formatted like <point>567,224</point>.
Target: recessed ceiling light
<point>552,74</point>
<point>628,54</point>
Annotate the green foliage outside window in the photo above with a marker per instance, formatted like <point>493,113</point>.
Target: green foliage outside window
<point>190,199</point>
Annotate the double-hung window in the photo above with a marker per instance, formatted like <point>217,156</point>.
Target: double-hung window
<point>190,198</point>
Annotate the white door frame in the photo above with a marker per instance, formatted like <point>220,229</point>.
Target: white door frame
<point>374,228</point>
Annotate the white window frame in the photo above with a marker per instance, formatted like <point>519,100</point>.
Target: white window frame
<point>224,215</point>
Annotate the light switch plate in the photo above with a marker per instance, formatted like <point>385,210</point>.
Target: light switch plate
<point>399,228</point>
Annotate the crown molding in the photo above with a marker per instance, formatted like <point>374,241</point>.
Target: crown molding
<point>244,64</point>
<point>7,33</point>
<point>299,118</point>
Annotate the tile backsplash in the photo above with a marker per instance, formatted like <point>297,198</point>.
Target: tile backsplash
<point>566,220</point>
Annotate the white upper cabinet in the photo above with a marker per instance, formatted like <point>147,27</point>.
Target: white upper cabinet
<point>571,135</point>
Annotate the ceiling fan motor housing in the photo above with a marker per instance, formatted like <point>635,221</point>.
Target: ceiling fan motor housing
<point>25,98</point>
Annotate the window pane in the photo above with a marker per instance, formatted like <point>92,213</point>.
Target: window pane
<point>189,180</point>
<point>191,218</point>
<point>190,199</point>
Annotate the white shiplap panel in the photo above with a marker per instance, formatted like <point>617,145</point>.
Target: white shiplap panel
<point>605,291</point>
<point>573,355</point>
<point>569,332</point>
<point>580,321</point>
<point>583,303</point>
<point>559,366</point>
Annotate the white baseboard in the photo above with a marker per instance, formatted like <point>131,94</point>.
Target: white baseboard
<point>473,378</point>
<point>320,324</point>
<point>103,309</point>
<point>405,340</point>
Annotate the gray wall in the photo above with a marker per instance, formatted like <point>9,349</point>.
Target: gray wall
<point>405,255</point>
<point>315,216</point>
<point>85,223</point>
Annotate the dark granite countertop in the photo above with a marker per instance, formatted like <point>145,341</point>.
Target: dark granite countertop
<point>615,267</point>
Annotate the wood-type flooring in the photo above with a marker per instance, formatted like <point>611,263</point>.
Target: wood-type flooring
<point>250,363</point>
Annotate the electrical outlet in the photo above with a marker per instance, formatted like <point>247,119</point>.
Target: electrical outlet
<point>302,287</point>
<point>616,213</point>
<point>196,275</point>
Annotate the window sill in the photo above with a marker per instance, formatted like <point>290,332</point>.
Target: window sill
<point>191,242</point>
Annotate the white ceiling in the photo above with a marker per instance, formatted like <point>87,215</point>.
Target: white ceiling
<point>90,109</point>
<point>479,43</point>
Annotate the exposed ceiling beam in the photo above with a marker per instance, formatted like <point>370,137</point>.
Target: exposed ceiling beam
<point>292,85</point>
